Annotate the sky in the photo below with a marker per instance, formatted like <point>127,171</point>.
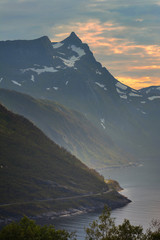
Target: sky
<point>124,35</point>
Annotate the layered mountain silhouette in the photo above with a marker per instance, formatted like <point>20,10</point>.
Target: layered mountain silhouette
<point>38,176</point>
<point>68,128</point>
<point>67,72</point>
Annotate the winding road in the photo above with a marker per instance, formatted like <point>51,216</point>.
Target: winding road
<point>56,199</point>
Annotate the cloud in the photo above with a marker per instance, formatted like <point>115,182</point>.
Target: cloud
<point>99,35</point>
<point>147,67</point>
<point>124,58</point>
<point>124,35</point>
<point>139,20</point>
<point>138,83</point>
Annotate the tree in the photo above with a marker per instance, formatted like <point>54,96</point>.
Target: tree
<point>27,229</point>
<point>102,229</point>
<point>126,231</point>
<point>153,233</point>
<point>105,229</point>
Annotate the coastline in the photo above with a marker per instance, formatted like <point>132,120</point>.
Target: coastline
<point>112,199</point>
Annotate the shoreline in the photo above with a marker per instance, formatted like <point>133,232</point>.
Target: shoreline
<point>93,204</point>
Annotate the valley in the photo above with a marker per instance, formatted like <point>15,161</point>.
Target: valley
<point>64,115</point>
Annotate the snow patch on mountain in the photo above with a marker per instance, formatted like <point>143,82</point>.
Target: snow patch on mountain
<point>48,89</point>
<point>78,50</point>
<point>98,72</point>
<point>122,86</point>
<point>58,45</point>
<point>55,88</point>
<point>153,97</point>
<point>66,83</point>
<point>100,85</point>
<point>1,79</point>
<point>134,95</point>
<point>103,126</point>
<point>16,83</point>
<point>102,120</point>
<point>40,70</point>
<point>134,91</point>
<point>32,78</point>
<point>143,112</point>
<point>59,67</point>
<point>120,92</point>
<point>143,102</point>
<point>61,53</point>
<point>70,62</point>
<point>123,96</point>
<point>158,88</point>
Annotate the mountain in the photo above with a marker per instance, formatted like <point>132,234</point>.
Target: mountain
<point>67,128</point>
<point>68,73</point>
<point>36,175</point>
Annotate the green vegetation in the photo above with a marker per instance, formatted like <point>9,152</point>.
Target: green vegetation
<point>105,229</point>
<point>33,167</point>
<point>114,185</point>
<point>102,229</point>
<point>27,229</point>
<point>37,176</point>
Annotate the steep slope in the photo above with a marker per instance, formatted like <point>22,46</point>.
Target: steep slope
<point>34,170</point>
<point>68,128</point>
<point>23,146</point>
<point>68,73</point>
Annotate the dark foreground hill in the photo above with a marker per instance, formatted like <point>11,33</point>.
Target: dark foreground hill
<point>38,176</point>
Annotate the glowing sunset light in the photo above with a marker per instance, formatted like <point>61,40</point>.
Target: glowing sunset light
<point>138,83</point>
<point>123,35</point>
<point>146,67</point>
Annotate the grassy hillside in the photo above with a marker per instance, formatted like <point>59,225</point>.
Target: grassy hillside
<point>33,166</point>
<point>68,128</point>
<point>37,176</point>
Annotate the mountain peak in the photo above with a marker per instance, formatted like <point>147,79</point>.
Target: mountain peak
<point>43,38</point>
<point>73,38</point>
<point>73,35</point>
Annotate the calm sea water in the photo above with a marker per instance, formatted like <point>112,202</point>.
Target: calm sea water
<point>141,184</point>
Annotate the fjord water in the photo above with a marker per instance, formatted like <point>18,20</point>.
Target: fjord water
<point>141,185</point>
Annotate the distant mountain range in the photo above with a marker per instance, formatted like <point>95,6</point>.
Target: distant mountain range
<point>67,73</point>
<point>68,128</point>
<point>78,104</point>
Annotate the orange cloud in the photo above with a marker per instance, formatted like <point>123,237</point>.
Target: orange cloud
<point>138,83</point>
<point>90,32</point>
<point>146,67</point>
<point>94,33</point>
<point>153,50</point>
<point>126,55</point>
<point>126,47</point>
<point>62,35</point>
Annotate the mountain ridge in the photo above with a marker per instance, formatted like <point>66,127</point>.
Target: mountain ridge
<point>67,128</point>
<point>35,172</point>
<point>68,73</point>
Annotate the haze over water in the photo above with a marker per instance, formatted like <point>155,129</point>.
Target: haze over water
<point>141,185</point>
